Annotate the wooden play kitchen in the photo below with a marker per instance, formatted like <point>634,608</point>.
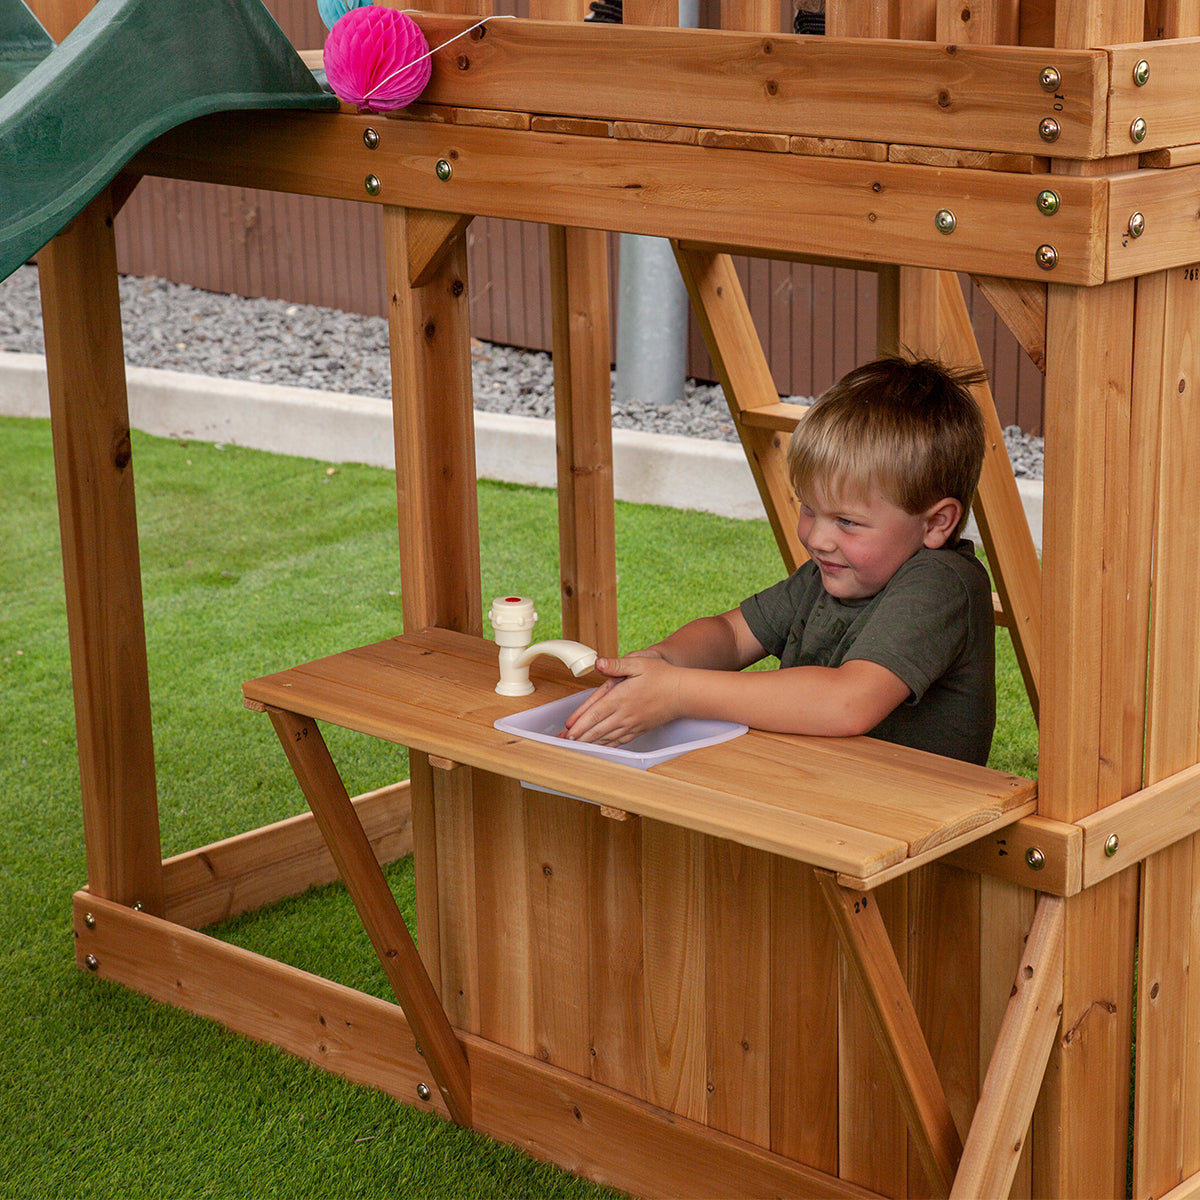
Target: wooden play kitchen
<point>777,965</point>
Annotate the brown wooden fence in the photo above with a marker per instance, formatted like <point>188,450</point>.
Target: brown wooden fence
<point>816,322</point>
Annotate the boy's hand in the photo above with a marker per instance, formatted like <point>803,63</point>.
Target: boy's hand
<point>641,694</point>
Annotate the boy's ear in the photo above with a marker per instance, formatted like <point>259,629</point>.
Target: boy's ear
<point>941,520</point>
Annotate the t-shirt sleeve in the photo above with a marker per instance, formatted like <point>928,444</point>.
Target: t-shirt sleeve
<point>772,612</point>
<point>921,624</point>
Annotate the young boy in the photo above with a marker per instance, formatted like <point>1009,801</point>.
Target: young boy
<point>888,629</point>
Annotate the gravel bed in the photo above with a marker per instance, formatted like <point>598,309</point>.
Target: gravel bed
<point>173,327</point>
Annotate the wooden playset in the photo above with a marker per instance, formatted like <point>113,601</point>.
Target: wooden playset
<point>781,965</point>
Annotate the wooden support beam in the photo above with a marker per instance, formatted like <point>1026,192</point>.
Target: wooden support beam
<point>583,422</point>
<point>93,464</point>
<point>323,789</point>
<point>1021,305</point>
<point>243,873</point>
<point>997,1135</point>
<point>1035,852</point>
<point>884,210</point>
<point>431,236</point>
<point>435,436</point>
<point>872,961</point>
<point>733,344</point>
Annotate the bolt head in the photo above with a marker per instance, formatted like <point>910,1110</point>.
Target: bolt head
<point>1050,78</point>
<point>1035,859</point>
<point>1047,202</point>
<point>371,138</point>
<point>443,169</point>
<point>423,1091</point>
<point>1137,131</point>
<point>945,221</point>
<point>1137,225</point>
<point>1047,257</point>
<point>372,184</point>
<point>1141,73</point>
<point>1049,129</point>
<point>1111,845</point>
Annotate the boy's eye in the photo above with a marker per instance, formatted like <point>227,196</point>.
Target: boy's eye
<point>846,523</point>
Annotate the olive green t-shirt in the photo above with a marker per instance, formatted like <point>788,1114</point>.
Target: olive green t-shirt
<point>932,626</point>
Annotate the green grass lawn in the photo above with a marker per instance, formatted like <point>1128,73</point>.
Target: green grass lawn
<point>252,562</point>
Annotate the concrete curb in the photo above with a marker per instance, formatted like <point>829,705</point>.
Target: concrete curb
<point>648,468</point>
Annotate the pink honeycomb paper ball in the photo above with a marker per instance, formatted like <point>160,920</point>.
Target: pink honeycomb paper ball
<point>377,58</point>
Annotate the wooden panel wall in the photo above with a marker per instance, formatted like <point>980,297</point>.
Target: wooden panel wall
<point>815,322</point>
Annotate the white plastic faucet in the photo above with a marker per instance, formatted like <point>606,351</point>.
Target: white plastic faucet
<point>513,619</point>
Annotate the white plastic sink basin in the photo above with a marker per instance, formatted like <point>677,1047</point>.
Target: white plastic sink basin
<point>668,741</point>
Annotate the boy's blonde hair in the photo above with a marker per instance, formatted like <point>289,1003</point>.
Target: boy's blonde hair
<point>909,428</point>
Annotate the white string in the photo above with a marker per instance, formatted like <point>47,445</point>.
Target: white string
<point>430,53</point>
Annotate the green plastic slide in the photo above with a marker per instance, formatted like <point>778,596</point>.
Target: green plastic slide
<point>72,115</point>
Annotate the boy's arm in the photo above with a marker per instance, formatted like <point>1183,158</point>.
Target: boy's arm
<point>650,690</point>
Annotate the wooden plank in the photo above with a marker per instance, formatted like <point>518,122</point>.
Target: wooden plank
<point>733,344</point>
<point>458,935</point>
<point>804,1019</point>
<point>1165,202</point>
<point>435,437</point>
<point>1006,853</point>
<point>839,148</point>
<point>557,870</point>
<point>1172,156</point>
<point>674,969</point>
<point>648,131</point>
<point>1080,1126</point>
<point>688,192</point>
<point>740,139</point>
<point>1006,913</point>
<point>738,934</point>
<point>504,931</point>
<point>996,1140</point>
<point>994,22</point>
<point>592,1130</point>
<point>583,423</point>
<point>322,787</point>
<point>616,973</point>
<point>976,160</point>
<point>784,416</point>
<point>980,96</point>
<point>1166,101</point>
<point>93,465</point>
<point>872,961</point>
<point>246,872</point>
<point>425,869</point>
<point>1165,1148</point>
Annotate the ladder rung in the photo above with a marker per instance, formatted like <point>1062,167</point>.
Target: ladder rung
<point>773,416</point>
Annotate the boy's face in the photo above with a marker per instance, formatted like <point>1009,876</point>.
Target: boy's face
<point>859,543</point>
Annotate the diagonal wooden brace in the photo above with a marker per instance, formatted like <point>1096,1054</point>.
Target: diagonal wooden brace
<point>1018,1065</point>
<point>893,1019</point>
<point>339,824</point>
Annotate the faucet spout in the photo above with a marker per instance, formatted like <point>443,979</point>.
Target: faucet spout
<point>575,656</point>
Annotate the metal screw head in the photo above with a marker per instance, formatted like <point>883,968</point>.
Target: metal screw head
<point>92,962</point>
<point>423,1091</point>
<point>1049,130</point>
<point>1141,72</point>
<point>372,184</point>
<point>443,170</point>
<point>1035,859</point>
<point>89,919</point>
<point>945,221</point>
<point>371,138</point>
<point>1047,202</point>
<point>1137,225</point>
<point>1137,131</point>
<point>1110,846</point>
<point>1047,257</point>
<point>1050,78</point>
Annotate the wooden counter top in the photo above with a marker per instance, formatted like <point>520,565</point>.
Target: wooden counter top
<point>864,808</point>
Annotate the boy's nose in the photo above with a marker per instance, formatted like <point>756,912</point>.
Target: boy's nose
<point>820,535</point>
